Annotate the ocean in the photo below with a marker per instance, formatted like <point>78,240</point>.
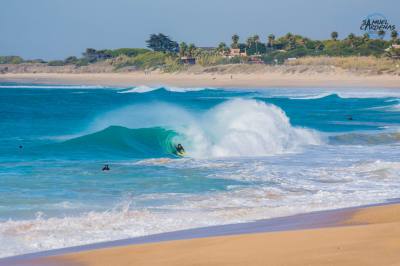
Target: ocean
<point>250,154</point>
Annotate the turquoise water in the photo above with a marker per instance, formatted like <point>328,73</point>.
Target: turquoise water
<point>251,154</point>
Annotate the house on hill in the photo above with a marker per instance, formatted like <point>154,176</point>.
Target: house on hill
<point>186,60</point>
<point>237,52</point>
<point>393,51</point>
<point>256,59</point>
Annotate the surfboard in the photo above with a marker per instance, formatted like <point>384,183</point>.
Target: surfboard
<point>180,154</point>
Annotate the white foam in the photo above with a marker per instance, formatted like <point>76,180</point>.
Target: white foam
<point>246,128</point>
<point>395,108</point>
<point>310,94</point>
<point>50,87</point>
<point>370,93</point>
<point>297,191</point>
<point>139,89</point>
<point>145,89</point>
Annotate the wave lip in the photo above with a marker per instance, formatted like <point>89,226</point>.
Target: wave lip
<point>313,96</point>
<point>252,128</point>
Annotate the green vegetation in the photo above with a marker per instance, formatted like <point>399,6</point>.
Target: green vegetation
<point>56,63</point>
<point>10,60</point>
<point>168,55</point>
<point>142,61</point>
<point>295,46</point>
<point>162,43</point>
<point>366,64</point>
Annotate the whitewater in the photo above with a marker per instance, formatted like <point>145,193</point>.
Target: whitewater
<point>250,154</point>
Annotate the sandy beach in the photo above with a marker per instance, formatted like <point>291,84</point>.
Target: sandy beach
<point>366,236</point>
<point>165,133</point>
<point>256,80</point>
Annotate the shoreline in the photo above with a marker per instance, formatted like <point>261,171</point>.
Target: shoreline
<point>255,80</point>
<point>313,221</point>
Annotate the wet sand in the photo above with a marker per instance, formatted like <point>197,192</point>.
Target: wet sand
<point>256,80</point>
<point>355,236</point>
<point>372,237</point>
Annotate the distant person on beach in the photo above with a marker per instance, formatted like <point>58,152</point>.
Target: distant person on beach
<point>106,168</point>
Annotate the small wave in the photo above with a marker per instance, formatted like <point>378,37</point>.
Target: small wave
<point>344,94</point>
<point>396,107</point>
<point>50,87</point>
<point>365,138</point>
<point>140,89</point>
<point>146,89</point>
<point>378,169</point>
<point>312,96</point>
<point>368,94</point>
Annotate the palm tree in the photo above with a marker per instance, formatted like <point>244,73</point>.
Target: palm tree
<point>256,40</point>
<point>191,50</point>
<point>235,41</point>
<point>351,38</point>
<point>394,34</point>
<point>334,35</point>
<point>250,41</point>
<point>222,48</point>
<point>289,35</point>
<point>365,37</point>
<point>381,34</point>
<point>271,39</point>
<point>183,49</point>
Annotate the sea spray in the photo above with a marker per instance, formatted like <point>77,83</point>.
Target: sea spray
<point>251,128</point>
<point>234,128</point>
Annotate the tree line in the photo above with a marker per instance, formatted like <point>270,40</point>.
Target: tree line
<point>271,50</point>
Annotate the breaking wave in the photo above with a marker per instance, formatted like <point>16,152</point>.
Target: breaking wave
<point>234,128</point>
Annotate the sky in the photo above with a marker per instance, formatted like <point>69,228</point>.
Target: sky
<point>55,29</point>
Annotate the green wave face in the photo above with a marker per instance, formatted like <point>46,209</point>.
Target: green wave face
<point>154,142</point>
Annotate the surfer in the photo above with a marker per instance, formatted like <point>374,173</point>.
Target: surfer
<point>180,149</point>
<point>106,168</point>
